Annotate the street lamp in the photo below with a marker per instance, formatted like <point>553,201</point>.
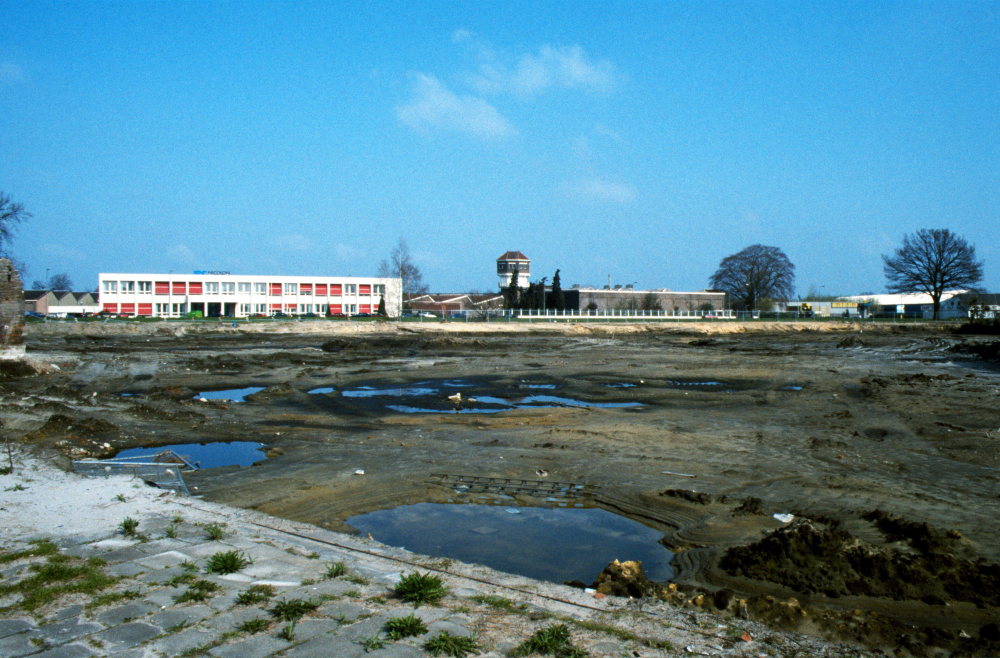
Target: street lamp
<point>46,277</point>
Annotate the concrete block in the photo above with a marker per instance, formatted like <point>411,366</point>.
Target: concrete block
<point>184,641</point>
<point>12,626</point>
<point>163,560</point>
<point>121,614</point>
<point>14,646</point>
<point>66,630</point>
<point>66,651</point>
<point>127,635</point>
<point>256,646</point>
<point>325,647</point>
<point>126,569</point>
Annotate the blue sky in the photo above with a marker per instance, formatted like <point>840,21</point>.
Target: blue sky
<point>641,140</point>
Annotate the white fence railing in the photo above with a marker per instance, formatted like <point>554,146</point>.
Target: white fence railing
<point>536,315</point>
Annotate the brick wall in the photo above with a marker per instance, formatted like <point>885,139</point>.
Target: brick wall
<point>11,305</point>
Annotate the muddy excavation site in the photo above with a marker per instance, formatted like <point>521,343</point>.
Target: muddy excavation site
<point>837,481</point>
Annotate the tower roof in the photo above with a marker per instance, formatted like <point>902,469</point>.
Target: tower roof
<point>513,255</point>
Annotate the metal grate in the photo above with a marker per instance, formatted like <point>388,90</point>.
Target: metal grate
<point>480,484</point>
<point>162,470</point>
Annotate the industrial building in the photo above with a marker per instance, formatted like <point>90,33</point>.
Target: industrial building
<point>627,298</point>
<point>219,294</point>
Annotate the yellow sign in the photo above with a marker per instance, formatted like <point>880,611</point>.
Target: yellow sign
<point>843,304</point>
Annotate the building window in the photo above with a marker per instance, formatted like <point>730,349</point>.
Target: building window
<point>228,288</point>
<point>321,309</point>
<point>260,288</point>
<point>245,309</point>
<point>212,288</point>
<point>290,288</point>
<point>244,288</point>
<point>275,290</point>
<point>145,287</point>
<point>350,289</point>
<point>260,308</point>
<point>162,287</point>
<point>128,286</point>
<point>111,287</point>
<point>378,289</point>
<point>351,308</point>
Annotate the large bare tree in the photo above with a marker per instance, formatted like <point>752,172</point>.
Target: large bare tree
<point>11,214</point>
<point>933,261</point>
<point>755,273</point>
<point>400,265</point>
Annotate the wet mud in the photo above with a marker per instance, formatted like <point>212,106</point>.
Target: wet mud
<point>878,448</point>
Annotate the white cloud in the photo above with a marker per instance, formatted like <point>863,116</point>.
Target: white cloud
<point>181,252</point>
<point>433,104</point>
<point>461,35</point>
<point>566,67</point>
<point>598,189</point>
<point>348,252</point>
<point>62,252</point>
<point>294,242</point>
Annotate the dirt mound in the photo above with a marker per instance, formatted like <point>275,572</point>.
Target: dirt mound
<point>852,341</point>
<point>695,497</point>
<point>15,369</point>
<point>171,393</point>
<point>812,559</point>
<point>61,425</point>
<point>985,351</point>
<point>278,390</point>
<point>625,579</point>
<point>751,506</point>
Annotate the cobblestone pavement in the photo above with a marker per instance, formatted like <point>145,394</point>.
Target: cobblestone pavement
<point>165,603</point>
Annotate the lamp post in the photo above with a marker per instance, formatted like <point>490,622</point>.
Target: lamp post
<point>46,277</point>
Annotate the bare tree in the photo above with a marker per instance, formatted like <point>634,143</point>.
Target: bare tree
<point>755,273</point>
<point>11,214</point>
<point>400,265</point>
<point>61,282</point>
<point>933,261</point>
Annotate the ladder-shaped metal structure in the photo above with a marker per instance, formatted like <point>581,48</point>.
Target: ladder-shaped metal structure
<point>163,469</point>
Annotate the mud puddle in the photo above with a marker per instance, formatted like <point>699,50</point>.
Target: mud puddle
<point>207,455</point>
<point>551,544</point>
<point>231,394</point>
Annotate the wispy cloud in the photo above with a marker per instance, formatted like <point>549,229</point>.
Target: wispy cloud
<point>600,190</point>
<point>433,104</point>
<point>62,252</point>
<point>293,242</point>
<point>565,67</point>
<point>181,252</point>
<point>348,252</point>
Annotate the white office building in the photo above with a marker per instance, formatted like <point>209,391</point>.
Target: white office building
<point>222,294</point>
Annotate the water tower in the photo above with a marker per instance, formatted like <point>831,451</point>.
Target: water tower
<point>510,262</point>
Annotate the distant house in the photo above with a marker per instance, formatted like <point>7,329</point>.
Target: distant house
<point>628,298</point>
<point>449,303</point>
<point>60,303</point>
<point>510,262</point>
<point>969,304</point>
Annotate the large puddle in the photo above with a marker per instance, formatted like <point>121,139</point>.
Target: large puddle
<point>463,397</point>
<point>207,455</point>
<point>552,544</point>
<point>233,394</point>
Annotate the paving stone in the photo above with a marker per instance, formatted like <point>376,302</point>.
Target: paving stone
<point>163,597</point>
<point>170,618</point>
<point>12,626</point>
<point>126,569</point>
<point>183,641</point>
<point>230,620</point>
<point>66,651</point>
<point>306,629</point>
<point>442,626</point>
<point>364,629</point>
<point>123,613</point>
<point>341,610</point>
<point>19,645</point>
<point>128,554</point>
<point>65,630</point>
<point>255,646</point>
<point>223,600</point>
<point>609,647</point>
<point>67,612</point>
<point>207,549</point>
<point>325,647</point>
<point>158,546</point>
<point>127,635</point>
<point>164,559</point>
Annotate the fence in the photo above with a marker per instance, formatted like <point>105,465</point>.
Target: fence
<point>551,315</point>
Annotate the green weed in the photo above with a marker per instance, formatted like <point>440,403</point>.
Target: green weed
<point>451,645</point>
<point>59,575</point>
<point>215,531</point>
<point>254,626</point>
<point>181,579</point>
<point>255,594</point>
<point>335,570</point>
<point>288,632</point>
<point>128,526</point>
<point>188,565</point>
<point>373,643</point>
<point>293,609</point>
<point>418,588</point>
<point>501,603</point>
<point>313,556</point>
<point>121,498</point>
<point>16,487</point>
<point>550,641</point>
<point>170,532</point>
<point>357,580</point>
<point>408,626</point>
<point>226,562</point>
<point>113,597</point>
<point>199,590</point>
<point>41,548</point>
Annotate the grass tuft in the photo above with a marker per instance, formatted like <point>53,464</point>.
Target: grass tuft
<point>335,570</point>
<point>42,547</point>
<point>293,609</point>
<point>199,590</point>
<point>501,603</point>
<point>550,641</point>
<point>57,576</point>
<point>373,643</point>
<point>128,526</point>
<point>253,626</point>
<point>418,588</point>
<point>214,531</point>
<point>408,626</point>
<point>226,562</point>
<point>451,645</point>
<point>288,632</point>
<point>256,594</point>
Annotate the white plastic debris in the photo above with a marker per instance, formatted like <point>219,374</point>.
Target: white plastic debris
<point>784,518</point>
<point>360,471</point>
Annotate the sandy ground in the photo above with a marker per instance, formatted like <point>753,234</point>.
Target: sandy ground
<point>881,442</point>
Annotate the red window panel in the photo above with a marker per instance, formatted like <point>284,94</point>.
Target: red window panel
<point>179,288</point>
<point>275,307</point>
<point>335,289</point>
<point>162,288</point>
<point>128,309</point>
<point>111,308</point>
<point>275,289</point>
<point>145,309</point>
<point>335,309</point>
<point>291,307</point>
<point>194,288</point>
<point>365,308</point>
<point>364,289</point>
<point>305,288</point>
<point>321,289</point>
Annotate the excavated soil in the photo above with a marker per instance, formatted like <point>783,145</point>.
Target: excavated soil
<point>882,444</point>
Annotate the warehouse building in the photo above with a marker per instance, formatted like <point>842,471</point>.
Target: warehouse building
<point>626,298</point>
<point>221,294</point>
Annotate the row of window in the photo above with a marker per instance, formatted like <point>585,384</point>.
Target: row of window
<point>232,287</point>
<point>176,310</point>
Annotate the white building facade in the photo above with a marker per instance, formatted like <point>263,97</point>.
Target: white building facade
<point>220,294</point>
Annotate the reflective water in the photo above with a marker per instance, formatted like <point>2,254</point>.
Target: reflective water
<point>208,455</point>
<point>234,394</point>
<point>551,544</point>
